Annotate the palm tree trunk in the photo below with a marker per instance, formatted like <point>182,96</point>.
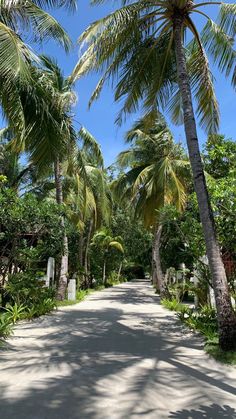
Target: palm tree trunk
<point>225,315</point>
<point>81,248</point>
<point>157,261</point>
<point>154,272</point>
<point>82,281</point>
<point>62,281</point>
<point>86,270</point>
<point>104,272</point>
<point>119,271</point>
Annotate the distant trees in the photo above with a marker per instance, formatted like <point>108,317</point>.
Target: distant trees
<point>106,243</point>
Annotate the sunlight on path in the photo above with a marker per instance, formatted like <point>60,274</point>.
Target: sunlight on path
<point>116,355</point>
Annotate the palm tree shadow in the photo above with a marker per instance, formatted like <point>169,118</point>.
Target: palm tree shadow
<point>214,411</point>
<point>103,357</point>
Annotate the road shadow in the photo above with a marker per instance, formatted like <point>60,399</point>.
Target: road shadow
<point>214,411</point>
<point>103,364</point>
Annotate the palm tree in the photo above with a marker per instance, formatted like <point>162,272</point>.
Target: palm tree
<point>48,136</point>
<point>88,197</point>
<point>155,178</point>
<point>144,44</point>
<point>19,21</point>
<point>106,243</point>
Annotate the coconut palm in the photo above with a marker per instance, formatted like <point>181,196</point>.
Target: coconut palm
<point>144,44</point>
<point>106,242</point>
<point>88,198</point>
<point>156,177</point>
<point>49,136</point>
<point>21,21</point>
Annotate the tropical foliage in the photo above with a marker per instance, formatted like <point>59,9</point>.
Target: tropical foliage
<point>148,214</point>
<point>170,73</point>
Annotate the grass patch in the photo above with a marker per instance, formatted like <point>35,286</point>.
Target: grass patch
<point>174,305</point>
<point>221,356</point>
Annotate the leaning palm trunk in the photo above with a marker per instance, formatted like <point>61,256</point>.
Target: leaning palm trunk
<point>225,314</point>
<point>157,262</point>
<point>62,281</point>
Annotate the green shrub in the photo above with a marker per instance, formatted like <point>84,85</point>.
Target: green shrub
<point>174,305</point>
<point>43,307</point>
<point>28,297</point>
<point>27,288</point>
<point>225,357</point>
<point>204,319</point>
<point>15,312</point>
<point>5,326</point>
<point>113,279</point>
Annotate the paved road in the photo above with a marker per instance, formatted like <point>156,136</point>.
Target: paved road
<point>116,355</point>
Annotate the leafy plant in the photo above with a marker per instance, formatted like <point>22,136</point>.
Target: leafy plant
<point>174,305</point>
<point>15,312</point>
<point>5,326</point>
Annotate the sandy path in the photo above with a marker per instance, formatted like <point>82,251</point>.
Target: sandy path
<point>116,355</point>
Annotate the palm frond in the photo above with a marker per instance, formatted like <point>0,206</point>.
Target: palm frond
<point>227,18</point>
<point>220,47</point>
<point>202,83</point>
<point>90,145</point>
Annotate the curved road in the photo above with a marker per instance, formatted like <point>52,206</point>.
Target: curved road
<point>116,355</point>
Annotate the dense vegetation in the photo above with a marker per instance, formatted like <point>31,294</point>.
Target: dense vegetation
<point>161,210</point>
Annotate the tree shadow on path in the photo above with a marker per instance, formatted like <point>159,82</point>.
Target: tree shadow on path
<point>213,411</point>
<point>107,363</point>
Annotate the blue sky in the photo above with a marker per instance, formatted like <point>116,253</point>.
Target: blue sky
<point>99,120</point>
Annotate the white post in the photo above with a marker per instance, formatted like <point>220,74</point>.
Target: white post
<point>50,272</point>
<point>212,297</point>
<point>72,290</point>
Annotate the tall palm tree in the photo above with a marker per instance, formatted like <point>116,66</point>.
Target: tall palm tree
<point>88,197</point>
<point>49,136</point>
<point>106,243</point>
<point>156,177</point>
<point>144,44</point>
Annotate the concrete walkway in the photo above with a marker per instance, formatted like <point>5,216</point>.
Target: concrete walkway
<point>116,355</point>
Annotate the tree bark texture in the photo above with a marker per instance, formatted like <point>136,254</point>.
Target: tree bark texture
<point>154,273</point>
<point>90,230</point>
<point>104,272</point>
<point>157,262</point>
<point>86,252</point>
<point>62,281</point>
<point>225,314</point>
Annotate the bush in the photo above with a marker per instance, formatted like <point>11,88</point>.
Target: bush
<point>174,305</point>
<point>43,307</point>
<point>204,319</point>
<point>113,279</point>
<point>27,297</point>
<point>27,288</point>
<point>213,349</point>
<point>5,326</point>
<point>15,312</point>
